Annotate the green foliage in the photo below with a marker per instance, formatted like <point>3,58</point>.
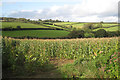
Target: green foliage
<point>101,22</point>
<point>101,33</point>
<point>113,34</point>
<point>102,64</point>
<point>39,20</point>
<point>89,35</point>
<point>77,34</point>
<point>108,63</point>
<point>18,27</point>
<point>50,20</point>
<point>91,55</point>
<point>22,56</point>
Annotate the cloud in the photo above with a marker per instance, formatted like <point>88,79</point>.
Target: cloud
<point>0,4</point>
<point>87,10</point>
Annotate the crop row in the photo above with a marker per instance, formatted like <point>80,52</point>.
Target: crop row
<point>29,53</point>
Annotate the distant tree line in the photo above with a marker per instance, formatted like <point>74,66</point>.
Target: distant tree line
<point>19,28</point>
<point>50,20</point>
<point>93,34</point>
<point>6,19</point>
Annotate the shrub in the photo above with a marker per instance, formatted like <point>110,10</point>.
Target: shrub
<point>89,35</point>
<point>77,34</point>
<point>8,28</point>
<point>111,34</point>
<point>18,27</point>
<point>101,33</point>
<point>52,28</point>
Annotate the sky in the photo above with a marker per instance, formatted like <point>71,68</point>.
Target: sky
<point>66,10</point>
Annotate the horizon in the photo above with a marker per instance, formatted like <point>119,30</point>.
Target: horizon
<point>73,11</point>
<point>58,19</point>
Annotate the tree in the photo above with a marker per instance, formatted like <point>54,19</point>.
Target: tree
<point>22,19</point>
<point>101,33</point>
<point>19,27</point>
<point>39,20</point>
<point>71,26</point>
<point>77,34</point>
<point>89,35</point>
<point>101,22</point>
<point>57,20</point>
<point>28,20</point>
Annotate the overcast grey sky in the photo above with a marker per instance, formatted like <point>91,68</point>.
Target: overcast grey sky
<point>72,10</point>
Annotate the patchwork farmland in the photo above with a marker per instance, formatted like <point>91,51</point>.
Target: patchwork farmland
<point>57,49</point>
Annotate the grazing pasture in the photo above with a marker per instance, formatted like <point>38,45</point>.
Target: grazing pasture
<point>64,23</point>
<point>36,33</point>
<point>22,25</point>
<point>108,29</point>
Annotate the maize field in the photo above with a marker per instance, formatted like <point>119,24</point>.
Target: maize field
<point>32,54</point>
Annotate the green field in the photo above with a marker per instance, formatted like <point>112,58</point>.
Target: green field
<point>48,33</point>
<point>106,25</point>
<point>65,23</point>
<point>78,26</point>
<point>36,33</point>
<point>47,25</point>
<point>23,25</point>
<point>108,29</point>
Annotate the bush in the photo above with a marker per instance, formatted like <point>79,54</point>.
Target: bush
<point>101,33</point>
<point>18,27</point>
<point>8,28</point>
<point>89,35</point>
<point>111,34</point>
<point>77,34</point>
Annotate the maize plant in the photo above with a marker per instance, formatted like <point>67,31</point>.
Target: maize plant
<point>34,53</point>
